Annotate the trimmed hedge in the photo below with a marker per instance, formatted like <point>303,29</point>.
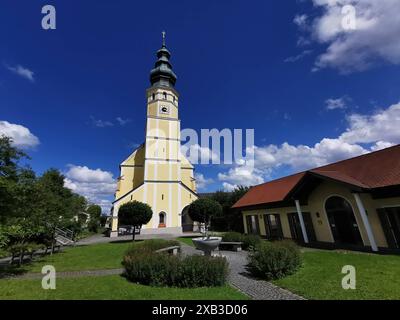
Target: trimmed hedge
<point>145,266</point>
<point>274,260</point>
<point>250,241</point>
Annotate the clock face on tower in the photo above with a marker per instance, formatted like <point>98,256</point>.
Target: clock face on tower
<point>164,110</point>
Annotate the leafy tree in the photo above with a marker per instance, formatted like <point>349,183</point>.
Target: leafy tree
<point>203,210</point>
<point>134,213</point>
<point>103,220</point>
<point>9,174</point>
<point>9,158</point>
<point>230,220</point>
<point>94,211</point>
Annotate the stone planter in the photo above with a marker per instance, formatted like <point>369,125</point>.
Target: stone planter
<point>207,245</point>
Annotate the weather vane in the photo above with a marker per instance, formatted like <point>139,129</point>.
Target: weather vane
<point>163,38</point>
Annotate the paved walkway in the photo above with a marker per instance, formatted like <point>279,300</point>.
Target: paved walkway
<point>99,238</point>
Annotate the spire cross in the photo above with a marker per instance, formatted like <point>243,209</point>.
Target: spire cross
<point>163,38</point>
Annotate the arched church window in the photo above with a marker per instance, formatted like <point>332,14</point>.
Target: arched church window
<point>165,95</point>
<point>161,217</point>
<point>154,96</point>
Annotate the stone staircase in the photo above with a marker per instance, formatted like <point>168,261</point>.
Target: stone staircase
<point>64,236</point>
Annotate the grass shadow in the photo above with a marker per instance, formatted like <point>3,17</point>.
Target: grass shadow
<point>12,270</point>
<point>126,241</point>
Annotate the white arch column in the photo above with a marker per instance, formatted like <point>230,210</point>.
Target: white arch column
<point>302,224</point>
<point>365,220</point>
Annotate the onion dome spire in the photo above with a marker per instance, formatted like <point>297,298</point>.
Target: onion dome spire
<point>162,74</point>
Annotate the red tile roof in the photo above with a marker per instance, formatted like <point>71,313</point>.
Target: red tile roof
<point>373,170</point>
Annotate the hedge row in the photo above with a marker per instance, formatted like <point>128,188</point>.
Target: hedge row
<point>145,266</point>
<point>250,241</point>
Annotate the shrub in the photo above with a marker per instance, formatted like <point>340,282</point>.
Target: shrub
<point>150,268</point>
<point>144,265</point>
<point>201,271</point>
<point>251,241</point>
<point>4,239</point>
<point>274,260</point>
<point>151,245</point>
<point>93,225</point>
<point>232,237</point>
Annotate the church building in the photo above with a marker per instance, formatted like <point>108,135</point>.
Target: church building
<point>157,173</point>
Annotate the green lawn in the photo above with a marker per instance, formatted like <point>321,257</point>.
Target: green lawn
<point>107,288</point>
<point>378,277</point>
<point>96,257</point>
<point>91,257</point>
<point>187,241</point>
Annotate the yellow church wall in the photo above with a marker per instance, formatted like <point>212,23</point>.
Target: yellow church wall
<point>186,177</point>
<point>130,178</point>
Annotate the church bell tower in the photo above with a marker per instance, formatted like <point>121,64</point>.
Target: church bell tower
<point>157,173</point>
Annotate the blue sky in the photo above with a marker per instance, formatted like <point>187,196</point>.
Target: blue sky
<point>74,97</point>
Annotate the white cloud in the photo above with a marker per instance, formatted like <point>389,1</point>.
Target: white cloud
<point>298,57</point>
<point>241,175</point>
<point>96,185</point>
<point>21,136</point>
<point>376,37</point>
<point>382,126</point>
<point>364,133</point>
<point>197,154</point>
<point>122,121</point>
<point>202,182</point>
<point>22,72</point>
<point>101,123</point>
<point>339,103</point>
<point>301,21</point>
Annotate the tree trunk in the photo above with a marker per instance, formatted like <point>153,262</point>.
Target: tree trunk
<point>134,233</point>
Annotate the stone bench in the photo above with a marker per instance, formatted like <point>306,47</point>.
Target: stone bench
<point>171,250</point>
<point>236,246</point>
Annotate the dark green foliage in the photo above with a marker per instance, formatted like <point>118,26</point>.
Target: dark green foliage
<point>232,237</point>
<point>31,206</point>
<point>103,221</point>
<point>9,158</point>
<point>250,241</point>
<point>230,220</point>
<point>149,268</point>
<point>134,213</point>
<point>94,211</point>
<point>152,245</point>
<point>93,225</point>
<point>204,209</point>
<point>144,265</point>
<point>202,271</point>
<point>274,260</point>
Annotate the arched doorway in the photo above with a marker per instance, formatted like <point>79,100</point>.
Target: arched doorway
<point>342,221</point>
<point>161,219</point>
<point>186,221</point>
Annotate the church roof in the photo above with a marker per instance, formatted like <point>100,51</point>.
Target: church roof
<point>162,74</point>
